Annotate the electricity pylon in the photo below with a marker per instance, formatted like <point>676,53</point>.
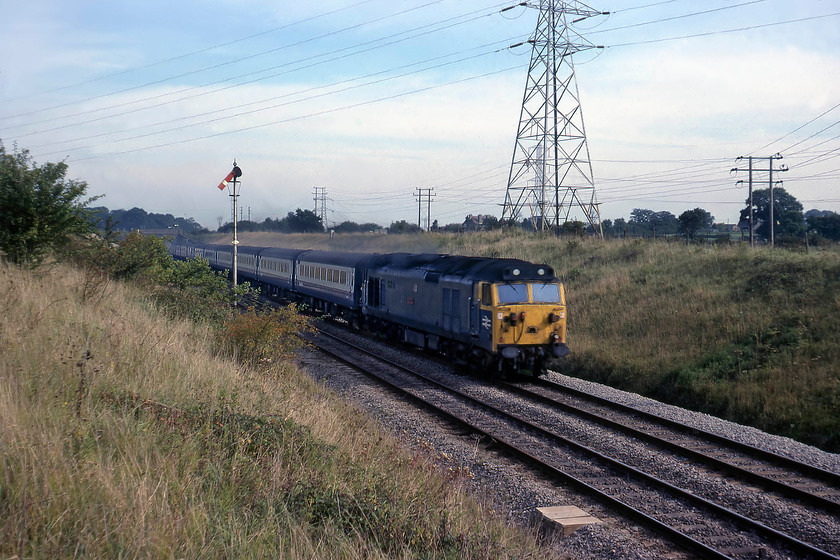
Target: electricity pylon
<point>320,196</point>
<point>551,173</point>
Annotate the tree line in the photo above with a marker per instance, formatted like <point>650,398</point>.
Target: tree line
<point>40,208</point>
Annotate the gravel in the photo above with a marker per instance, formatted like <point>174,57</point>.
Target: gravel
<point>516,492</point>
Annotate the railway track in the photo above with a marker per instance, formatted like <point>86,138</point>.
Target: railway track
<point>794,479</point>
<point>518,420</point>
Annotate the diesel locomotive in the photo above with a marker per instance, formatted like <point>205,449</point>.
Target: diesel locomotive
<point>508,315</point>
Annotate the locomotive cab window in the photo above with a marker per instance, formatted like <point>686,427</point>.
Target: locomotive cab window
<point>546,293</point>
<point>512,293</point>
<point>486,298</point>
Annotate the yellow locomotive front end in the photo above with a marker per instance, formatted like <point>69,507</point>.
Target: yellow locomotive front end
<point>529,323</point>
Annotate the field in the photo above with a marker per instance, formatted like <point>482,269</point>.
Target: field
<point>125,434</point>
<point>750,335</point>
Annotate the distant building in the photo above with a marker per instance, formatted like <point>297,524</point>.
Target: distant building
<point>474,223</point>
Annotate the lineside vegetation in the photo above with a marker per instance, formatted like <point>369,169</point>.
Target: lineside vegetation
<point>131,426</point>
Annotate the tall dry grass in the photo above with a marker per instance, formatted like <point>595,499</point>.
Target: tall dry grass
<point>125,434</point>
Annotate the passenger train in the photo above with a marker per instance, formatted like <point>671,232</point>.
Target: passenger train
<point>508,315</point>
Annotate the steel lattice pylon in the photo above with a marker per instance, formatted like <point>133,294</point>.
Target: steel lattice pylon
<point>551,173</point>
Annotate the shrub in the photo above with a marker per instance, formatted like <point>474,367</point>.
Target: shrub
<point>193,290</point>
<point>263,338</point>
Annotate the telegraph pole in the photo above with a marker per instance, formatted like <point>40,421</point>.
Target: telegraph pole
<point>770,183</point>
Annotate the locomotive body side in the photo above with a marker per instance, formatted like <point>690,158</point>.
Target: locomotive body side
<point>416,304</point>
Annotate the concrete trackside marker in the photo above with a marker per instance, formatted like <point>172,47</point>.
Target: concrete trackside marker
<point>564,519</point>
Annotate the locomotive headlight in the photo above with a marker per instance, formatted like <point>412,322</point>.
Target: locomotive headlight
<point>516,272</point>
<point>553,317</point>
<point>541,271</point>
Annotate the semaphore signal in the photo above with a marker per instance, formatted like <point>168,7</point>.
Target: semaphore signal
<point>232,178</point>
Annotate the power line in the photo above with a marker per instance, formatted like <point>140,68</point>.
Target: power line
<point>276,106</point>
<point>672,18</point>
<point>199,51</point>
<point>430,28</point>
<point>220,65</point>
<point>723,31</point>
<point>797,129</point>
<point>300,117</point>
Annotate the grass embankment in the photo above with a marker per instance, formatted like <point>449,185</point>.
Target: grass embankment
<point>126,434</point>
<point>750,335</point>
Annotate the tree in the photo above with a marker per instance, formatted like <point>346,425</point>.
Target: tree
<point>692,221</point>
<point>303,221</point>
<point>139,219</point>
<point>299,221</point>
<point>491,223</point>
<point>574,227</point>
<point>403,227</point>
<point>825,223</point>
<point>39,208</point>
<point>353,227</point>
<point>643,222</point>
<point>787,213</point>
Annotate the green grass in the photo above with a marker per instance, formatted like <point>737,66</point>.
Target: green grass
<point>125,434</point>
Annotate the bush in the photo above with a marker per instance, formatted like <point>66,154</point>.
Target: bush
<point>193,290</point>
<point>263,338</point>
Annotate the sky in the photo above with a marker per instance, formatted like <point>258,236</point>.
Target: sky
<point>151,102</point>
